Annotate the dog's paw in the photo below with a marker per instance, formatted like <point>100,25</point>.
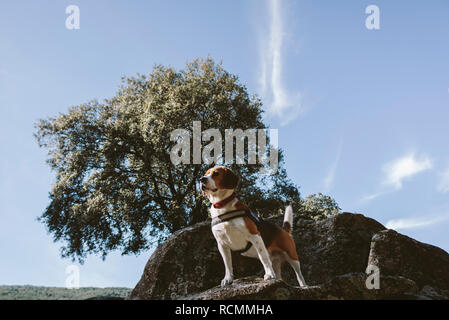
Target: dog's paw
<point>268,276</point>
<point>226,281</point>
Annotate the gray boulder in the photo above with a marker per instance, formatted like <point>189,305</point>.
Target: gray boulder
<point>345,287</point>
<point>334,255</point>
<point>396,254</point>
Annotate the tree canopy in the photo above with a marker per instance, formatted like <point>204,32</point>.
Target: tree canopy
<point>116,188</point>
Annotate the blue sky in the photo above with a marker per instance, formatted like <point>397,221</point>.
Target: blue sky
<point>362,114</point>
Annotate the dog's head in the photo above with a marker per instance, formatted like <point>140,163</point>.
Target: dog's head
<point>217,179</point>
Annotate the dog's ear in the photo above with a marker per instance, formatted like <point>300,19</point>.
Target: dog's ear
<point>230,179</point>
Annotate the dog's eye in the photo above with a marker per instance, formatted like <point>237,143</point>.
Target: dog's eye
<point>215,174</point>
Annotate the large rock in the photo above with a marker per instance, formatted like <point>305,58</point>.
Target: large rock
<point>335,246</point>
<point>188,262</point>
<point>396,254</point>
<point>345,287</point>
<point>334,255</point>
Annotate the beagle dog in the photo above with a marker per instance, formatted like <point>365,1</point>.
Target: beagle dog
<point>237,228</point>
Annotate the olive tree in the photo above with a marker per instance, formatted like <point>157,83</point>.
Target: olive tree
<point>116,187</point>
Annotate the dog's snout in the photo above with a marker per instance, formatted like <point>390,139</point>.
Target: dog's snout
<point>203,179</point>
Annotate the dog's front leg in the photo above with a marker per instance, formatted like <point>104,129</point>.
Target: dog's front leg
<point>264,257</point>
<point>227,259</point>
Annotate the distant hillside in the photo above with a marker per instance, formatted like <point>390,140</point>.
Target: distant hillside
<point>53,293</point>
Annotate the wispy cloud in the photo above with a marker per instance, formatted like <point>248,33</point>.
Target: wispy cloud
<point>330,177</point>
<point>443,187</point>
<point>372,196</point>
<point>280,102</point>
<point>405,167</point>
<point>416,222</point>
<point>398,170</point>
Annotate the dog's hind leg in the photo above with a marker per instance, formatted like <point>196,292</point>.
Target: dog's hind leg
<point>297,268</point>
<point>277,262</point>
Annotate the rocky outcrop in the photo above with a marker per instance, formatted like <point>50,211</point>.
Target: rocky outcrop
<point>331,247</point>
<point>350,286</point>
<point>334,255</point>
<point>188,262</point>
<point>396,254</point>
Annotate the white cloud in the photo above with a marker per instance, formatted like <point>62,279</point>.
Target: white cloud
<point>329,180</point>
<point>280,102</point>
<point>398,170</point>
<point>372,196</point>
<point>405,167</point>
<point>443,187</point>
<point>411,223</point>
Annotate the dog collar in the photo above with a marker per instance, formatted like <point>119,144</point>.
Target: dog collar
<point>222,203</point>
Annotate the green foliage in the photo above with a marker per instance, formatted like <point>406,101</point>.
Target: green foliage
<point>318,206</point>
<point>116,187</point>
<point>52,293</point>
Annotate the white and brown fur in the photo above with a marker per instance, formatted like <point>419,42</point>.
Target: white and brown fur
<point>272,244</point>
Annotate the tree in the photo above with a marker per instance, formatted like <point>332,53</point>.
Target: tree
<point>116,188</point>
<point>318,206</point>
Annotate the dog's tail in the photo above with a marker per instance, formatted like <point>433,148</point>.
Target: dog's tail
<point>288,219</point>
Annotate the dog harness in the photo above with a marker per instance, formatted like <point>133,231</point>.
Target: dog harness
<point>233,215</point>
